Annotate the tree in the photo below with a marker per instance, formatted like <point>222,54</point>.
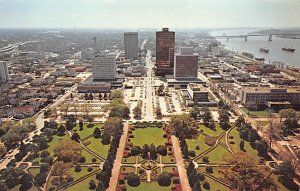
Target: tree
<point>162,150</point>
<point>194,112</point>
<point>287,113</point>
<point>206,118</point>
<point>158,113</point>
<point>86,109</point>
<point>287,173</point>
<point>224,119</point>
<point>116,94</point>
<point>105,138</point>
<point>77,168</point>
<point>44,154</point>
<point>242,145</point>
<point>75,137</point>
<point>243,174</point>
<point>160,90</point>
<point>184,126</point>
<point>164,179</point>
<point>145,151</point>
<point>111,124</point>
<point>97,133</point>
<point>137,111</point>
<point>133,180</point>
<point>152,150</point>
<point>68,151</point>
<point>40,179</point>
<point>135,150</point>
<point>65,108</point>
<point>126,112</point>
<point>61,130</point>
<point>2,150</point>
<point>270,111</point>
<point>80,125</point>
<point>240,121</point>
<point>61,169</point>
<point>92,184</point>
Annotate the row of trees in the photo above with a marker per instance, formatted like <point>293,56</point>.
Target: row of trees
<point>249,134</point>
<point>117,106</point>
<point>115,128</point>
<point>136,150</point>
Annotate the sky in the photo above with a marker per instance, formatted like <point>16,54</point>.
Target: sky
<point>107,14</point>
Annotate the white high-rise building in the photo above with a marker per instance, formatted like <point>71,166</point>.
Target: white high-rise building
<point>4,75</point>
<point>104,66</point>
<point>131,45</point>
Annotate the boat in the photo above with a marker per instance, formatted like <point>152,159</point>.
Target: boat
<point>259,58</point>
<point>264,50</point>
<point>288,49</point>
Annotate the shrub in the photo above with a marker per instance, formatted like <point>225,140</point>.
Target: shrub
<point>197,148</point>
<point>206,185</point>
<point>205,159</point>
<point>209,169</point>
<point>231,142</point>
<point>70,179</point>
<point>77,168</point>
<point>44,154</point>
<point>94,160</point>
<point>92,185</point>
<point>133,180</point>
<point>82,160</point>
<point>192,153</point>
<point>164,179</point>
<point>230,137</point>
<point>141,171</point>
<point>86,143</point>
<point>90,169</point>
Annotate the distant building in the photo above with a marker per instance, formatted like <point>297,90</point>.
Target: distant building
<point>165,47</point>
<point>186,63</point>
<point>214,49</point>
<point>131,45</point>
<point>198,93</point>
<point>94,87</point>
<point>87,54</point>
<point>262,68</point>
<point>276,98</point>
<point>104,66</point>
<point>4,74</point>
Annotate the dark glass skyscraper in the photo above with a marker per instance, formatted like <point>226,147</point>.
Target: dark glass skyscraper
<point>165,46</point>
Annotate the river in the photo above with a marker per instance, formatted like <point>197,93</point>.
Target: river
<point>254,43</point>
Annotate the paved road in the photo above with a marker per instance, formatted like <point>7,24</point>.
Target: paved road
<point>149,105</point>
<point>118,162</point>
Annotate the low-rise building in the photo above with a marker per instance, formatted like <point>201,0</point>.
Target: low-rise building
<point>263,97</point>
<point>94,87</point>
<point>197,93</point>
<point>23,112</point>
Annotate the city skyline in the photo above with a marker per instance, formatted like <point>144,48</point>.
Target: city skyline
<point>148,14</point>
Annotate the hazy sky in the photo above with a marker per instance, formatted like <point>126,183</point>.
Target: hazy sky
<point>149,13</point>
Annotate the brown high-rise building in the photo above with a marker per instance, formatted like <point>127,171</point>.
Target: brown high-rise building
<point>165,46</point>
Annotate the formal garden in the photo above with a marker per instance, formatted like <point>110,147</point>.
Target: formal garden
<point>148,160</point>
<point>66,156</point>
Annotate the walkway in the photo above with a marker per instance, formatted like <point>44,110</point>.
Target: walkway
<point>180,165</point>
<point>118,162</point>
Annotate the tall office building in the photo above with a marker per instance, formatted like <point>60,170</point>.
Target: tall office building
<point>104,66</point>
<point>186,63</point>
<point>4,75</point>
<point>165,46</point>
<point>131,45</point>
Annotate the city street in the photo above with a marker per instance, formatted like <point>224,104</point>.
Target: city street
<point>148,99</point>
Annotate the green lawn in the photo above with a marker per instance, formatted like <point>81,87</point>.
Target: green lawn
<point>236,147</point>
<point>98,147</point>
<point>217,155</point>
<point>192,143</point>
<point>17,188</point>
<point>88,156</point>
<point>129,160</point>
<point>33,171</point>
<point>86,131</point>
<point>127,169</point>
<point>210,132</point>
<point>256,113</point>
<point>83,172</point>
<point>82,186</point>
<point>167,159</point>
<point>148,136</point>
<point>148,187</point>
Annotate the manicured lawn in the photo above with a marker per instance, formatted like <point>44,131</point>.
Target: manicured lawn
<point>217,155</point>
<point>148,136</point>
<point>167,159</point>
<point>210,132</point>
<point>129,160</point>
<point>98,147</point>
<point>83,172</point>
<point>192,143</point>
<point>88,156</point>
<point>127,169</point>
<point>256,113</point>
<point>263,123</point>
<point>82,186</point>
<point>236,147</point>
<point>17,188</point>
<point>33,171</point>
<point>215,185</point>
<point>148,187</point>
<point>86,131</point>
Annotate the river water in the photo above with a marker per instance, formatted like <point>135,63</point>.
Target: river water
<point>254,43</point>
